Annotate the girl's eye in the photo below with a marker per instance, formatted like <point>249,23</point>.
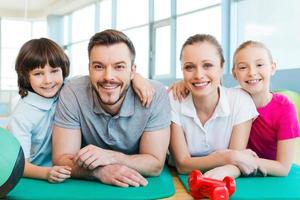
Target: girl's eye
<point>260,65</point>
<point>55,71</point>
<point>37,74</point>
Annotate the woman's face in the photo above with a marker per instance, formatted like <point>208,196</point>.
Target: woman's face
<point>202,70</point>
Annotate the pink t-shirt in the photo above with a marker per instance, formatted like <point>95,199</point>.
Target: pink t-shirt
<point>276,121</point>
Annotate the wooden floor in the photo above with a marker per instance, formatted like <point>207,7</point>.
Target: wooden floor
<point>180,193</point>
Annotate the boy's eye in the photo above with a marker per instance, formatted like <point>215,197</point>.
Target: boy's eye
<point>37,73</point>
<point>55,71</point>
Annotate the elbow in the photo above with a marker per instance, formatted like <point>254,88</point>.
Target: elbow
<point>156,170</point>
<point>285,171</point>
<point>182,169</point>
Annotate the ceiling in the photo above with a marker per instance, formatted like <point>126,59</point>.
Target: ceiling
<point>39,8</point>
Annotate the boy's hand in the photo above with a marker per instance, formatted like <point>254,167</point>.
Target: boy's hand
<point>58,174</point>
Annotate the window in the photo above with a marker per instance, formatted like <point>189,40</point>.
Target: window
<point>66,29</point>
<point>138,10</point>
<point>80,59</point>
<point>14,33</point>
<point>81,33</point>
<point>277,27</point>
<point>162,9</point>
<point>105,15</point>
<point>83,23</point>
<point>184,6</point>
<point>39,29</point>
<point>201,25</point>
<point>162,51</point>
<point>140,40</point>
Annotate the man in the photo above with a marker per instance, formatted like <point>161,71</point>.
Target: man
<point>124,139</point>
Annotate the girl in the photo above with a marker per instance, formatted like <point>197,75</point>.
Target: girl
<point>212,119</point>
<point>273,133</point>
<point>42,66</point>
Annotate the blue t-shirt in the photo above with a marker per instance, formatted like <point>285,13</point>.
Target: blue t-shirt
<point>31,123</point>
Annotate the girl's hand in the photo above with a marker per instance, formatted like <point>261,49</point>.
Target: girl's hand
<point>179,90</point>
<point>58,174</point>
<point>245,160</point>
<point>143,88</point>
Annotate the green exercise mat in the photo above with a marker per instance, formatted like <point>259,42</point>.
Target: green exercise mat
<point>264,187</point>
<point>158,187</point>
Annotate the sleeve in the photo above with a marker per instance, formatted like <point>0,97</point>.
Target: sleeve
<point>160,113</point>
<point>67,115</point>
<point>288,125</point>
<point>174,109</point>
<point>244,108</point>
<point>21,125</point>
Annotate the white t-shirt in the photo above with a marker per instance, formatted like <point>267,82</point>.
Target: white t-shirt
<point>234,107</point>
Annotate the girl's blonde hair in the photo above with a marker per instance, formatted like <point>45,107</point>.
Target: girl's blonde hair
<point>252,44</point>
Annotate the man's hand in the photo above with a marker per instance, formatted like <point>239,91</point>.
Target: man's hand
<point>119,175</point>
<point>91,157</point>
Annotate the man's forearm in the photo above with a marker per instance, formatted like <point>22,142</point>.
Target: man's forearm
<point>145,164</point>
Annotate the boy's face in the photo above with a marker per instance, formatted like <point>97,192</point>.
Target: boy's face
<point>46,81</point>
<point>110,71</point>
<point>253,69</point>
<point>202,70</point>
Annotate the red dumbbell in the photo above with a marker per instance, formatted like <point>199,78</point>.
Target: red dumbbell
<point>203,187</point>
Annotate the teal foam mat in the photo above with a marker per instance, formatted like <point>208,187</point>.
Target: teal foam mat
<point>158,187</point>
<point>254,188</point>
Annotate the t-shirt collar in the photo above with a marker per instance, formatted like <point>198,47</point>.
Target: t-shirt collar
<point>40,102</point>
<point>222,109</point>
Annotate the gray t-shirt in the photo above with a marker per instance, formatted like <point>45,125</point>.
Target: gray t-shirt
<point>79,108</point>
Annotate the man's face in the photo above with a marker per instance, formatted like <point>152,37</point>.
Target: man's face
<point>111,71</point>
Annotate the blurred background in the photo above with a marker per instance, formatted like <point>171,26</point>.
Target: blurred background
<point>158,29</point>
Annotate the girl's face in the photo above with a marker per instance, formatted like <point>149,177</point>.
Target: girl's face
<point>202,70</point>
<point>253,69</point>
<point>46,81</point>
